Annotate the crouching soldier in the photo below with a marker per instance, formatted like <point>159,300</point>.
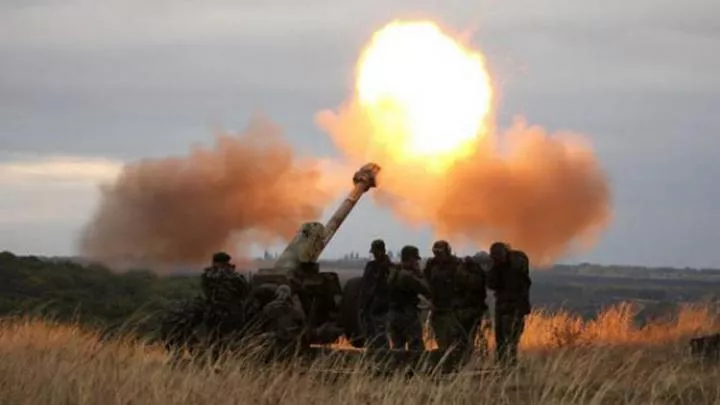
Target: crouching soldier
<point>509,277</point>
<point>282,324</point>
<point>286,328</point>
<point>404,286</point>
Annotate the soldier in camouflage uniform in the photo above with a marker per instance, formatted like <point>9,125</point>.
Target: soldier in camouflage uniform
<point>283,325</point>
<point>485,262</point>
<point>509,277</point>
<point>224,290</point>
<point>373,300</point>
<point>220,282</point>
<point>440,273</point>
<point>405,284</point>
<point>471,303</point>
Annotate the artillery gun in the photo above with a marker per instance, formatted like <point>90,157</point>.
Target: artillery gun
<point>320,295</point>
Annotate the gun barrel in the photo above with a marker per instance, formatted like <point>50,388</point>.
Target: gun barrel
<point>313,237</point>
<point>363,180</point>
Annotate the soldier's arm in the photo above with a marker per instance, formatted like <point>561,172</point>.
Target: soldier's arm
<point>416,285</point>
<point>525,270</point>
<point>472,276</point>
<point>363,285</point>
<point>493,279</point>
<point>239,281</point>
<point>426,270</point>
<point>205,282</point>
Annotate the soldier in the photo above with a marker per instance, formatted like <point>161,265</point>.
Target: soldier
<point>224,290</point>
<point>485,326</point>
<point>509,277</point>
<point>440,272</point>
<point>405,284</point>
<point>471,303</point>
<point>283,325</point>
<point>373,300</point>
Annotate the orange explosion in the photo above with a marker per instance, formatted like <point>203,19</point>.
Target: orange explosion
<point>422,109</point>
<point>411,80</point>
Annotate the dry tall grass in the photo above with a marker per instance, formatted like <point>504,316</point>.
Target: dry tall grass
<point>564,361</point>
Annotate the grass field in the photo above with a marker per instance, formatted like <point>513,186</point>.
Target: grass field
<point>564,361</point>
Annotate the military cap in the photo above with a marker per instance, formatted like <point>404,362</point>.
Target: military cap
<point>409,252</point>
<point>221,257</point>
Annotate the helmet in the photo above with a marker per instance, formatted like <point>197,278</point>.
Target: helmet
<point>409,252</point>
<point>482,257</point>
<point>441,245</point>
<point>283,292</point>
<point>499,251</point>
<point>498,248</point>
<point>377,245</point>
<point>221,257</point>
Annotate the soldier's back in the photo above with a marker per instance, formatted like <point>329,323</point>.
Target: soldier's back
<point>222,285</point>
<point>513,293</point>
<point>440,277</point>
<point>283,320</point>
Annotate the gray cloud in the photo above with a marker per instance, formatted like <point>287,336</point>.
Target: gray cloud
<point>128,79</point>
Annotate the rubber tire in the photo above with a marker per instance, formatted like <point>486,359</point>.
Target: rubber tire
<point>349,313</point>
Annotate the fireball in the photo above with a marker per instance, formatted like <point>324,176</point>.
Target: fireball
<point>427,97</point>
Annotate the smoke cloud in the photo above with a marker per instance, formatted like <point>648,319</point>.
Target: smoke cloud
<point>544,194</point>
<point>249,188</point>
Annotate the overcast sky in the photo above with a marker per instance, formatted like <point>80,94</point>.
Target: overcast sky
<point>90,84</point>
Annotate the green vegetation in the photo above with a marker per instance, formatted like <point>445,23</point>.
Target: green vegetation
<point>90,294</point>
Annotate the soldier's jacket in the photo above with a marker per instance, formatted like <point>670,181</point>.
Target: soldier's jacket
<point>223,285</point>
<point>457,284</point>
<point>282,320</point>
<point>258,298</point>
<point>403,287</point>
<point>470,286</point>
<point>441,277</point>
<point>373,288</point>
<point>511,283</point>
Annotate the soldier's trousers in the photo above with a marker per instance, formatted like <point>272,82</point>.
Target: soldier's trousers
<point>375,326</point>
<point>447,329</point>
<point>509,327</point>
<point>470,320</point>
<point>405,328</point>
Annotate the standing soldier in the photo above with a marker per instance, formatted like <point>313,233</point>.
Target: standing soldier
<point>374,296</point>
<point>404,285</point>
<point>440,272</point>
<point>485,327</point>
<point>471,302</point>
<point>224,289</point>
<point>509,277</point>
